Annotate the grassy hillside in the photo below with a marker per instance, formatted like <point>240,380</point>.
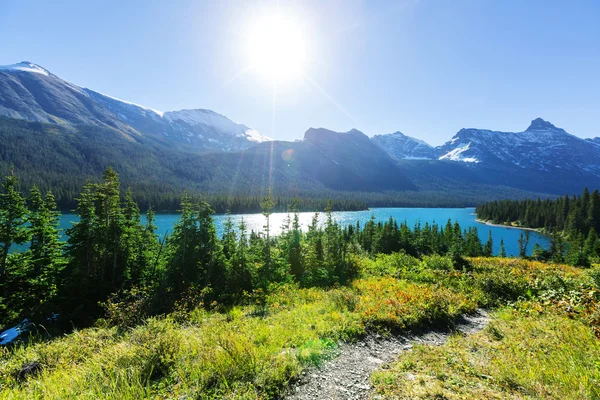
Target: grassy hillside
<point>254,351</point>
<point>526,352</point>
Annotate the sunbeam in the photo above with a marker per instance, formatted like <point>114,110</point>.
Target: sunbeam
<point>328,96</point>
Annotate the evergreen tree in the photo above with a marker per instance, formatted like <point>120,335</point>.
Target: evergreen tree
<point>195,256</point>
<point>79,284</point>
<point>240,273</point>
<point>267,266</point>
<point>45,251</point>
<point>109,232</point>
<point>488,250</point>
<point>592,245</point>
<point>593,214</point>
<point>539,253</point>
<point>138,243</point>
<point>502,249</point>
<point>576,254</point>
<point>229,239</point>
<point>523,244</point>
<point>13,218</point>
<point>295,256</point>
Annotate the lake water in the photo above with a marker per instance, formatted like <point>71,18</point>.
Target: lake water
<point>464,216</point>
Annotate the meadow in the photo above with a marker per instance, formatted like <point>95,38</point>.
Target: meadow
<point>541,342</point>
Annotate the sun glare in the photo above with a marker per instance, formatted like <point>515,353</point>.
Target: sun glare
<point>277,47</point>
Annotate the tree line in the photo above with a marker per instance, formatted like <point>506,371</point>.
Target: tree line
<point>115,264</point>
<point>576,219</point>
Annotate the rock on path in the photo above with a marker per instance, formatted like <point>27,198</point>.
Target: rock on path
<point>348,375</point>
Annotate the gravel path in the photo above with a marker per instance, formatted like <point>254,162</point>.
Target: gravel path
<point>347,375</point>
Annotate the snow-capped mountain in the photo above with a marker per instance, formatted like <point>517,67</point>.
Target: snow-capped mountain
<point>542,146</point>
<point>32,93</point>
<point>401,147</point>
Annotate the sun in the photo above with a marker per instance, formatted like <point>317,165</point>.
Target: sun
<point>277,47</point>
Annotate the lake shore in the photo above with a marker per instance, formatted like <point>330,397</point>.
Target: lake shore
<point>508,226</point>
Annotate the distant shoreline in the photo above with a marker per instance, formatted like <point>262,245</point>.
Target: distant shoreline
<point>507,226</point>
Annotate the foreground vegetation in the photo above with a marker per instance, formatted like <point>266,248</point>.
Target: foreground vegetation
<point>525,352</point>
<point>240,317</point>
<point>254,351</point>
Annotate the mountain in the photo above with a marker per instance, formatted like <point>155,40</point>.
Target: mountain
<point>541,147</point>
<point>32,93</point>
<point>401,147</point>
<point>57,134</point>
<point>367,167</point>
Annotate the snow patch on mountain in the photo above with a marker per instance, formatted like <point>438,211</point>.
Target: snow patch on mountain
<point>201,117</point>
<point>159,113</point>
<point>255,136</point>
<point>457,154</point>
<point>25,66</point>
<point>402,147</point>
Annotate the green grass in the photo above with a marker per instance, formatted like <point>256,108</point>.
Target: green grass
<point>219,355</point>
<point>520,355</point>
<point>242,354</point>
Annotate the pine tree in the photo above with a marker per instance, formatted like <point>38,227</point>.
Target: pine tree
<point>81,245</point>
<point>502,249</point>
<point>523,244</point>
<point>195,256</point>
<point>267,268</point>
<point>229,238</point>
<point>539,253</point>
<point>110,230</point>
<point>295,257</point>
<point>575,254</point>
<point>152,249</point>
<point>489,246</point>
<point>241,279</point>
<point>13,218</point>
<point>138,244</point>
<point>592,245</point>
<point>45,250</point>
<point>593,214</point>
<point>558,252</point>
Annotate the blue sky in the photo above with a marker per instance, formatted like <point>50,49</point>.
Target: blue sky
<point>426,68</point>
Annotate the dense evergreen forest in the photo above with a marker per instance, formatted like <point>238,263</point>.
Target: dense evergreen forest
<point>113,263</point>
<point>576,219</point>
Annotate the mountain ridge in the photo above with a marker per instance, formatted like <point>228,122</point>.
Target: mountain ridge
<point>30,92</point>
<point>83,132</point>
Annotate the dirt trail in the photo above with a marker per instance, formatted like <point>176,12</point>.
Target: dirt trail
<point>347,375</point>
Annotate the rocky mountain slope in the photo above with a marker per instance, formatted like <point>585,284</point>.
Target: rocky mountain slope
<point>30,92</point>
<point>402,147</point>
<point>595,140</point>
<point>542,147</point>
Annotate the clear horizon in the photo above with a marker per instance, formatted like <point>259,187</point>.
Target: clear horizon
<point>424,68</point>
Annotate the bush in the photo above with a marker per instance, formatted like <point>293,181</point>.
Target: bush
<point>128,308</point>
<point>438,262</point>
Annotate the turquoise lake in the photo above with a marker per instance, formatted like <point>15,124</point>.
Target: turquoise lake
<point>464,216</point>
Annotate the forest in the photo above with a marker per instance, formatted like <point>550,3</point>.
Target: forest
<point>575,219</point>
<point>111,257</point>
